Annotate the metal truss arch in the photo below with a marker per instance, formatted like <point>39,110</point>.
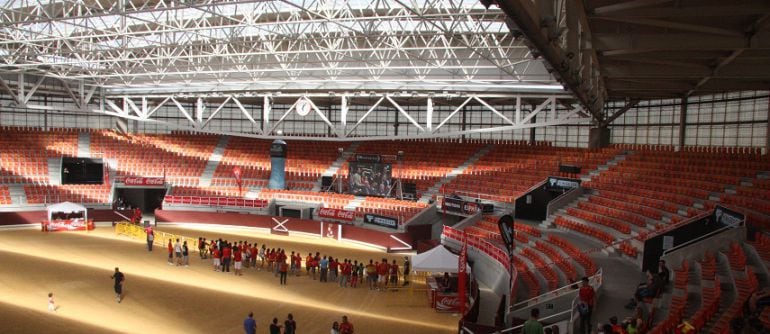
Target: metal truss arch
<point>139,46</point>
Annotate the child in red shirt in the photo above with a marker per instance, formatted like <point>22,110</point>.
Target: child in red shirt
<point>170,253</point>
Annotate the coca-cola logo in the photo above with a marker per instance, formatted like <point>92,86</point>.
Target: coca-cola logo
<point>336,214</point>
<point>144,181</point>
<point>447,303</point>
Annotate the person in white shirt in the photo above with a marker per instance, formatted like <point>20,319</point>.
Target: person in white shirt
<point>51,304</point>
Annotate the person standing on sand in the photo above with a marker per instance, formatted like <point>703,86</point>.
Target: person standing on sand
<point>170,253</point>
<point>282,269</point>
<point>275,328</point>
<point>51,304</point>
<point>185,254</point>
<point>346,327</point>
<point>250,325</point>
<point>119,280</point>
<point>178,252</point>
<point>290,326</point>
<point>150,237</point>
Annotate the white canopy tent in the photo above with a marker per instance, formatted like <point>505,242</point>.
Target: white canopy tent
<point>438,259</point>
<point>66,207</point>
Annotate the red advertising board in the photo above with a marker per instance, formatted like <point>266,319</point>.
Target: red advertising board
<point>144,181</point>
<point>447,303</point>
<point>336,214</point>
<point>67,225</point>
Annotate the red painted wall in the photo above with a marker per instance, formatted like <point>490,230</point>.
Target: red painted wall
<point>292,224</point>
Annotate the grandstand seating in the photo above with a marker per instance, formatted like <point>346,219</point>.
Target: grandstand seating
<point>744,282</point>
<point>423,162</point>
<point>79,193</point>
<point>24,153</point>
<point>650,189</point>
<point>305,161</point>
<point>329,200</point>
<point>5,196</point>
<point>507,171</point>
<point>546,253</point>
<point>711,292</point>
<point>679,301</point>
<point>180,158</point>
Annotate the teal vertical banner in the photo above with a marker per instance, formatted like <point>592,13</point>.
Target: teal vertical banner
<point>277,165</point>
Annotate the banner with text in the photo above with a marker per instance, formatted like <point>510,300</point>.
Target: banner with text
<point>561,183</point>
<point>144,181</point>
<point>381,220</point>
<point>336,214</point>
<point>460,206</point>
<point>373,158</point>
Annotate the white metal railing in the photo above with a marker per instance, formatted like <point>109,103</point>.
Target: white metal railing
<point>552,316</point>
<point>595,281</point>
<point>704,237</point>
<point>563,199</point>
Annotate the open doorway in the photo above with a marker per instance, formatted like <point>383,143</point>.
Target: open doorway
<point>146,199</point>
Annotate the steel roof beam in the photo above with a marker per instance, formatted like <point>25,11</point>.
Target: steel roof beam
<point>587,89</point>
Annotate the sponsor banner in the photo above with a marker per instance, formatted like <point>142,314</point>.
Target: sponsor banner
<point>460,206</point>
<point>447,303</point>
<point>368,158</point>
<point>68,225</point>
<point>381,220</point>
<point>725,217</point>
<point>336,214</point>
<point>505,224</point>
<point>461,267</point>
<point>144,181</point>
<point>561,183</point>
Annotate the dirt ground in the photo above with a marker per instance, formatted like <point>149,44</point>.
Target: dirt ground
<point>76,267</point>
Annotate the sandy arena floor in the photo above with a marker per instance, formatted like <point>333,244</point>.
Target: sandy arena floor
<point>76,267</point>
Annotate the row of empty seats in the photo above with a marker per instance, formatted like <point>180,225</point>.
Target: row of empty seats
<point>78,193</point>
<point>5,195</point>
<point>506,172</point>
<point>215,201</point>
<point>548,256</point>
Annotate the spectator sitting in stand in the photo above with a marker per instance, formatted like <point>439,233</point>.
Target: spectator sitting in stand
<point>664,273</point>
<point>649,289</point>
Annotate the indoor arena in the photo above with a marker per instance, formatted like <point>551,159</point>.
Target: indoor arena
<point>385,166</point>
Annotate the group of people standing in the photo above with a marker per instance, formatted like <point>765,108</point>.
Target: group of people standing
<point>289,326</point>
<point>242,254</point>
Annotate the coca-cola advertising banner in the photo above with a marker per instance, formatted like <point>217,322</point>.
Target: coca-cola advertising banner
<point>447,303</point>
<point>144,181</point>
<point>460,206</point>
<point>68,225</point>
<point>336,214</point>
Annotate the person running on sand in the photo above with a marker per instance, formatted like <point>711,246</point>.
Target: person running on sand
<point>120,279</point>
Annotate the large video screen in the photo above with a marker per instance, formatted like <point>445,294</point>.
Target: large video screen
<point>370,179</point>
<point>82,171</point>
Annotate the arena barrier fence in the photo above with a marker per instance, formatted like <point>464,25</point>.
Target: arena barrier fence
<point>138,232</point>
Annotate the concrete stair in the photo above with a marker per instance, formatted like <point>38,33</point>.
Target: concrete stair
<point>213,163</point>
<point>18,196</point>
<point>354,203</point>
<point>599,169</point>
<point>54,171</point>
<point>427,195</point>
<point>337,164</point>
<point>84,144</point>
<point>112,164</point>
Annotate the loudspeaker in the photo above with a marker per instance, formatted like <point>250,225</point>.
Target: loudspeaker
<point>326,182</point>
<point>569,169</point>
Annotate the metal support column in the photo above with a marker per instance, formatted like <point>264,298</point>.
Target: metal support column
<point>682,122</point>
